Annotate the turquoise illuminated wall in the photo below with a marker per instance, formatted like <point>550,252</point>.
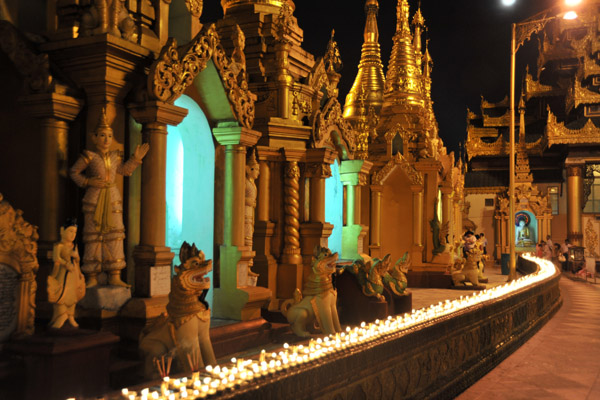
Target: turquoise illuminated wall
<point>334,207</point>
<point>190,182</point>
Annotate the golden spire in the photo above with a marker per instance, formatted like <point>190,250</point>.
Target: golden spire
<point>403,82</point>
<point>369,80</point>
<point>419,23</point>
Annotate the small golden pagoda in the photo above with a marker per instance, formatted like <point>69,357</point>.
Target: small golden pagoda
<point>401,131</point>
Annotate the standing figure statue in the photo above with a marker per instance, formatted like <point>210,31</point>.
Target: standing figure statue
<point>66,284</point>
<point>252,171</point>
<point>103,229</point>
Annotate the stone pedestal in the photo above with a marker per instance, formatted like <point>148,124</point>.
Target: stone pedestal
<point>74,364</point>
<point>110,298</point>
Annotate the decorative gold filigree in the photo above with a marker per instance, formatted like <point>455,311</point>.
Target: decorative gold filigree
<point>18,249</point>
<point>577,95</point>
<point>413,175</point>
<point>194,7</point>
<point>176,69</point>
<point>591,239</point>
<point>330,119</point>
<point>557,133</point>
<point>318,170</point>
<point>34,68</point>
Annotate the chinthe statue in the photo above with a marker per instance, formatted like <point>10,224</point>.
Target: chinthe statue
<point>66,284</point>
<point>320,297</point>
<point>103,229</point>
<point>184,329</point>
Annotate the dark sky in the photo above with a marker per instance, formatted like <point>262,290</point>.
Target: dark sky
<point>469,44</point>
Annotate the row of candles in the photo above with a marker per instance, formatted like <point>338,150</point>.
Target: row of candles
<point>213,381</point>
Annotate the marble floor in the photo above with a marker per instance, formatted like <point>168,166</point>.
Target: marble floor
<point>561,361</point>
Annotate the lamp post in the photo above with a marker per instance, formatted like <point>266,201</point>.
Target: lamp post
<point>525,29</point>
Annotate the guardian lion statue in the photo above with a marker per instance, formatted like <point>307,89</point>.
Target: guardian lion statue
<point>184,329</point>
<point>319,302</point>
<point>466,270</point>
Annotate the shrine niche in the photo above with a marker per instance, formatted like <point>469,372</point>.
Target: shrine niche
<point>400,227</point>
<point>18,266</point>
<point>531,222</point>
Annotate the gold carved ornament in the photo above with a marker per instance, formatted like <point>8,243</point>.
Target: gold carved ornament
<point>317,170</point>
<point>557,133</point>
<point>413,175</point>
<point>194,7</point>
<point>18,247</point>
<point>177,67</point>
<point>588,181</point>
<point>34,68</point>
<point>578,95</point>
<point>591,239</point>
<point>330,119</point>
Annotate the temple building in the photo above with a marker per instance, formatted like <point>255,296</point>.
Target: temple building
<point>225,148</point>
<point>556,138</point>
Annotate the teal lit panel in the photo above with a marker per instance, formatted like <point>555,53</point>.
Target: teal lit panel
<point>334,207</point>
<point>190,183</point>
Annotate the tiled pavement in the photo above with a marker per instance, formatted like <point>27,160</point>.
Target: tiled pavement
<point>561,361</point>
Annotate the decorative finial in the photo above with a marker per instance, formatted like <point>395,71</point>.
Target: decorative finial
<point>252,158</point>
<point>332,58</point>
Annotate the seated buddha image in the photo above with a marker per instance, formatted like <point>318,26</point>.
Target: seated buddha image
<point>523,235</point>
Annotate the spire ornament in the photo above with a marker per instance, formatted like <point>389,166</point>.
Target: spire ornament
<point>370,78</point>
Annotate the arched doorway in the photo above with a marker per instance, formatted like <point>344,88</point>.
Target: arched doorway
<point>190,182</point>
<point>334,207</point>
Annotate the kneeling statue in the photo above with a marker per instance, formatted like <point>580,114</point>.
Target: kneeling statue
<point>318,307</point>
<point>184,329</point>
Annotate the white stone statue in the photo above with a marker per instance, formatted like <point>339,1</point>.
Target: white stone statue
<point>252,172</point>
<point>66,284</point>
<point>103,229</point>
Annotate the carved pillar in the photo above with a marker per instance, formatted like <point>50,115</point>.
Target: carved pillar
<point>417,249</point>
<point>291,249</point>
<point>375,222</point>
<point>446,205</point>
<point>316,231</point>
<point>234,299</point>
<point>284,79</point>
<point>265,264</point>
<point>55,111</point>
<point>289,272</point>
<point>353,173</point>
<point>152,257</point>
<point>574,206</point>
<point>430,169</point>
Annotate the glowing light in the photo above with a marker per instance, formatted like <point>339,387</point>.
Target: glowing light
<point>241,372</point>
<point>508,3</point>
<point>570,15</point>
<point>571,3</point>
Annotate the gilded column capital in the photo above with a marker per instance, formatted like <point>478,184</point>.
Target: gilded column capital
<point>575,170</point>
<point>317,170</point>
<point>158,112</point>
<point>52,105</point>
<point>416,188</point>
<point>227,134</point>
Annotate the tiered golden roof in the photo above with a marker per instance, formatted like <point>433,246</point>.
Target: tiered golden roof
<point>367,90</point>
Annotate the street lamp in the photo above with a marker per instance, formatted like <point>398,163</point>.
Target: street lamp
<point>526,28</point>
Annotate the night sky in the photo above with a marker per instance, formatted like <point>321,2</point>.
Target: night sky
<point>469,44</point>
